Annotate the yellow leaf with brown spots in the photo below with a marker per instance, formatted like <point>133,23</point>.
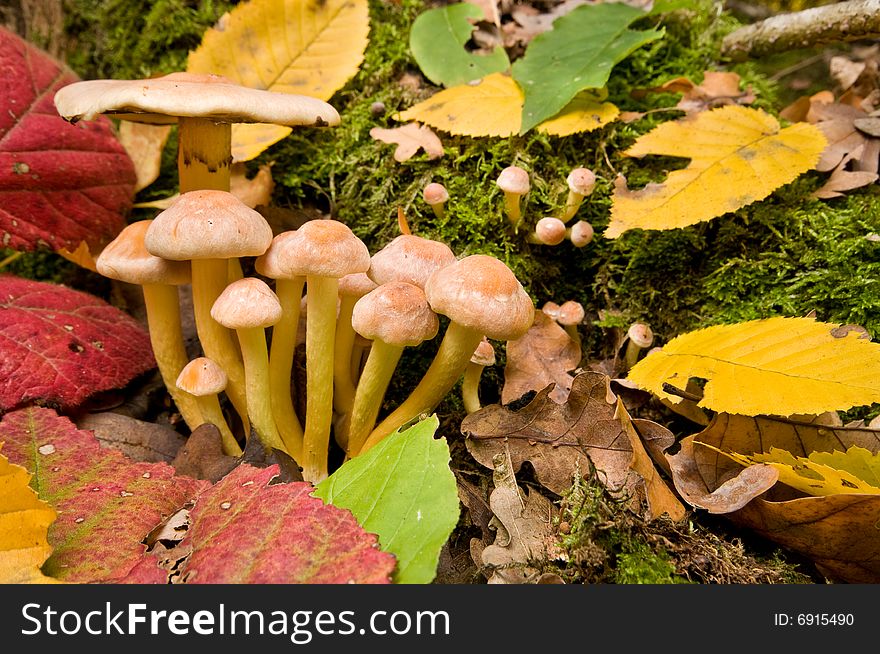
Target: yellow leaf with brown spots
<point>738,156</point>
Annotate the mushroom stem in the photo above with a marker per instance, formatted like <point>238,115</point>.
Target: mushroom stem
<point>470,385</point>
<point>208,281</point>
<point>572,204</point>
<point>380,367</point>
<point>359,350</point>
<point>449,364</point>
<point>209,405</point>
<point>289,292</point>
<point>163,320</point>
<point>512,208</point>
<point>320,335</point>
<point>256,370</point>
<point>204,154</point>
<point>343,383</point>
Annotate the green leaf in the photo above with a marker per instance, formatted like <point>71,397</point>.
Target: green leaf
<point>577,54</point>
<point>403,491</point>
<point>437,41</point>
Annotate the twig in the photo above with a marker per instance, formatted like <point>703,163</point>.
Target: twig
<point>673,390</point>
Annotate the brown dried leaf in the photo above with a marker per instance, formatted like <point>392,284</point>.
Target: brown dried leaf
<point>545,354</point>
<point>410,138</point>
<point>837,122</point>
<point>138,440</point>
<point>254,191</point>
<point>716,90</point>
<point>844,180</point>
<point>799,110</point>
<point>202,456</point>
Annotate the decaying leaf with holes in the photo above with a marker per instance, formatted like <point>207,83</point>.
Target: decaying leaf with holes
<point>717,89</point>
<point>410,138</point>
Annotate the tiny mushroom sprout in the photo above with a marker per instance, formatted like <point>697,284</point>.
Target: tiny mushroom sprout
<point>203,106</point>
<point>548,231</point>
<point>323,251</point>
<point>208,228</point>
<point>581,182</point>
<point>436,196</point>
<point>394,315</point>
<point>514,182</point>
<point>482,297</point>
<point>409,258</point>
<point>249,306</point>
<point>204,379</point>
<point>640,336</point>
<point>580,234</point>
<point>483,356</point>
<point>289,289</point>
<point>127,259</point>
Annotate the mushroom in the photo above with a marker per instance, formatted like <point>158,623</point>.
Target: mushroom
<point>127,259</point>
<point>481,297</point>
<point>483,356</point>
<point>323,251</point>
<point>394,315</point>
<point>208,228</point>
<point>351,289</point>
<point>580,234</point>
<point>204,379</point>
<point>409,259</point>
<point>581,182</point>
<point>570,314</point>
<point>548,231</point>
<point>514,181</point>
<point>203,106</point>
<point>640,337</point>
<point>436,196</point>
<point>289,289</point>
<point>249,306</point>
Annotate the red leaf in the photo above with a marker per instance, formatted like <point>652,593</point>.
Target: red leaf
<point>60,346</point>
<point>106,503</point>
<point>59,184</point>
<point>243,530</point>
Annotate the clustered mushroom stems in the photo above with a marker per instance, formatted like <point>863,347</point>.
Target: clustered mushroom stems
<point>470,383</point>
<point>351,289</point>
<point>202,379</point>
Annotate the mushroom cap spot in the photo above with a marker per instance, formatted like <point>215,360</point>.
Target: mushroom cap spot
<point>581,181</point>
<point>326,248</point>
<point>396,313</point>
<point>570,313</point>
<point>164,99</point>
<point>550,230</point>
<point>513,179</point>
<point>202,376</point>
<point>246,303</point>
<point>484,355</point>
<point>126,258</point>
<point>581,233</point>
<point>271,262</point>
<point>435,193</point>
<point>411,259</point>
<point>640,334</point>
<point>356,285</point>
<point>208,225</point>
<point>482,293</point>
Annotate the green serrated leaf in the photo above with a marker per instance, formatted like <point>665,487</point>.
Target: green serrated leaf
<point>403,491</point>
<point>577,54</point>
<point>437,41</point>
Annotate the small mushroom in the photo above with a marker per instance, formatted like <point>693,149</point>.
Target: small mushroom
<point>483,356</point>
<point>569,315</point>
<point>580,234</point>
<point>640,337</point>
<point>436,196</point>
<point>514,181</point>
<point>204,379</point>
<point>581,182</point>
<point>548,231</point>
<point>249,306</point>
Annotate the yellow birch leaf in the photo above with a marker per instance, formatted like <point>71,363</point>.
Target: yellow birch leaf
<point>305,47</point>
<point>493,106</point>
<point>24,526</point>
<point>81,256</point>
<point>823,473</point>
<point>738,156</point>
<point>778,366</point>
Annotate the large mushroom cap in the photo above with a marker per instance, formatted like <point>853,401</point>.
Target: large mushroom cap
<point>208,225</point>
<point>395,313</point>
<point>164,99</point>
<point>246,303</point>
<point>409,258</point>
<point>481,293</point>
<point>326,248</point>
<point>126,258</point>
<point>202,376</point>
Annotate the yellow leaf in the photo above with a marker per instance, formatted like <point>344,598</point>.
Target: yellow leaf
<point>778,366</point>
<point>306,47</point>
<point>823,473</point>
<point>24,524</point>
<point>144,144</point>
<point>738,156</point>
<point>81,256</point>
<point>493,106</point>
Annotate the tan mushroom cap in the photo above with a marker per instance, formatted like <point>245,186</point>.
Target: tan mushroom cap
<point>202,376</point>
<point>208,225</point>
<point>270,263</point>
<point>356,285</point>
<point>246,303</point>
<point>581,181</point>
<point>435,193</point>
<point>482,293</point>
<point>164,99</point>
<point>640,334</point>
<point>326,248</point>
<point>514,179</point>
<point>126,258</point>
<point>570,313</point>
<point>396,313</point>
<point>581,233</point>
<point>484,355</point>
<point>411,259</point>
<point>550,230</point>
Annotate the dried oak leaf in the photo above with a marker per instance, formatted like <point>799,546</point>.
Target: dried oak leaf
<point>839,123</point>
<point>716,90</point>
<point>410,138</point>
<point>60,184</point>
<point>545,354</point>
<point>138,440</point>
<point>201,457</point>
